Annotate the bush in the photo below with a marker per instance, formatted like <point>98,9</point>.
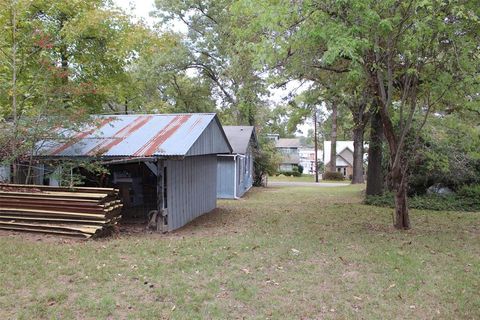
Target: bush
<point>296,173</point>
<point>300,169</point>
<point>454,202</point>
<point>472,191</point>
<point>336,176</point>
<point>287,173</point>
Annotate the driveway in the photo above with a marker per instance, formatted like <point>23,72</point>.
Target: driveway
<point>306,184</point>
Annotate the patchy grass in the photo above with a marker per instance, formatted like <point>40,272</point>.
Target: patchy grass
<point>281,253</point>
<point>302,178</point>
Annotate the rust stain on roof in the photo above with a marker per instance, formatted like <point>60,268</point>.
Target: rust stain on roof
<point>121,135</point>
<point>81,135</point>
<point>196,123</point>
<point>153,144</point>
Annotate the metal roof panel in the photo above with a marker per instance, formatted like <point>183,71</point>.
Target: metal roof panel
<point>144,135</point>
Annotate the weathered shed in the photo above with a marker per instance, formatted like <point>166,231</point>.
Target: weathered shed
<point>164,162</point>
<point>235,171</point>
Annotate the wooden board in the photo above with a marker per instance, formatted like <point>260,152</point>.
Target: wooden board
<point>54,220</point>
<point>54,188</point>
<point>65,233</point>
<point>51,194</point>
<point>61,227</point>
<point>51,212</point>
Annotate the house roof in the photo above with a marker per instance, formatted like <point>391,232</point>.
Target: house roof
<point>287,143</point>
<point>240,137</point>
<point>341,146</point>
<point>145,135</point>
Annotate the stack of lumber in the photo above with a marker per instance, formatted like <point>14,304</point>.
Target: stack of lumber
<point>79,211</point>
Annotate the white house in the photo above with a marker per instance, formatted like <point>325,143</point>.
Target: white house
<point>307,159</point>
<point>344,160</point>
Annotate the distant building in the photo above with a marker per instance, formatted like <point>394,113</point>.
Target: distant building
<point>235,171</point>
<point>307,159</point>
<point>289,150</point>
<point>344,159</point>
<point>273,136</point>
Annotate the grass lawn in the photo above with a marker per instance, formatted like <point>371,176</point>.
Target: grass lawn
<point>281,253</point>
<point>303,178</point>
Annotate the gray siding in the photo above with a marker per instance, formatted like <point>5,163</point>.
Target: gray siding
<point>191,189</point>
<point>4,173</point>
<point>231,172</point>
<point>225,177</point>
<point>211,141</point>
<point>244,173</point>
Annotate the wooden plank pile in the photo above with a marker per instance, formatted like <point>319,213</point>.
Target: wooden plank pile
<point>80,211</point>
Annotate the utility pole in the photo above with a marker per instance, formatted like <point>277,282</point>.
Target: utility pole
<point>315,139</point>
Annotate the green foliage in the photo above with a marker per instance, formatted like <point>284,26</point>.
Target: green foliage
<point>334,176</point>
<point>472,192</point>
<point>296,172</point>
<point>69,173</point>
<point>266,161</point>
<point>448,154</point>
<point>222,57</point>
<point>300,169</point>
<point>455,202</point>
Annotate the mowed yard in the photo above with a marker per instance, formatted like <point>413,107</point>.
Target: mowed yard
<point>281,253</point>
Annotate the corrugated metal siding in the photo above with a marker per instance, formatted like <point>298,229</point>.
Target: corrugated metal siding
<point>191,189</point>
<point>247,182</point>
<point>225,177</point>
<point>211,141</point>
<point>4,173</point>
<point>229,174</point>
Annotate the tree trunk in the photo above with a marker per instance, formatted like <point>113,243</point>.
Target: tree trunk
<point>397,174</point>
<point>402,219</point>
<point>375,181</point>
<point>333,138</point>
<point>358,154</point>
<point>315,138</point>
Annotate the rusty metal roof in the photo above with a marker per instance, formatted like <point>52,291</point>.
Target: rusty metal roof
<point>146,135</point>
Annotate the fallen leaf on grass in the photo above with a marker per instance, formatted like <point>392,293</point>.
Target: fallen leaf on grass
<point>272,282</point>
<point>295,251</point>
<point>246,271</point>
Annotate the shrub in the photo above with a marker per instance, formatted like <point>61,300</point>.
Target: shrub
<point>336,176</point>
<point>296,173</point>
<point>454,202</point>
<point>300,169</point>
<point>287,173</point>
<point>472,191</point>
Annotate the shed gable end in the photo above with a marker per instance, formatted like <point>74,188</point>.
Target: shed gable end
<point>211,141</point>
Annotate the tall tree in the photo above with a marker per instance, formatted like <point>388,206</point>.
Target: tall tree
<point>414,55</point>
<point>220,56</point>
<point>58,62</point>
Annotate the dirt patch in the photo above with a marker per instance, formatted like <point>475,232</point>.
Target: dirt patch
<point>40,237</point>
<point>378,228</point>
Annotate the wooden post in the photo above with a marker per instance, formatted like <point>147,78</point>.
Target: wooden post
<point>160,220</point>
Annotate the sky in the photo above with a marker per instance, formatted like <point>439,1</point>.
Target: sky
<point>142,8</point>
